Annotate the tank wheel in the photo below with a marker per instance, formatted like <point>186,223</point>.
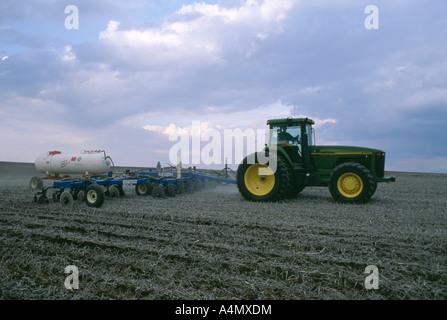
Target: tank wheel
<point>81,195</point>
<point>121,190</point>
<point>144,189</point>
<point>259,182</point>
<point>171,190</point>
<point>66,199</point>
<point>56,197</point>
<point>351,182</point>
<point>43,199</point>
<point>94,196</point>
<point>159,192</point>
<point>114,192</point>
<point>36,183</point>
<point>180,188</point>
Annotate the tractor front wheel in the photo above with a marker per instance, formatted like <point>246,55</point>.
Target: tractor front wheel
<point>351,182</point>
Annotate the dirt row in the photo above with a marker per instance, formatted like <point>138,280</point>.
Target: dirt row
<point>213,244</point>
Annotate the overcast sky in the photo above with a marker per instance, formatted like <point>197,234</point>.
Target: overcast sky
<point>135,70</point>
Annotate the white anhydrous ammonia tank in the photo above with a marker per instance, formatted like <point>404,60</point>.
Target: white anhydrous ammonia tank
<point>86,162</point>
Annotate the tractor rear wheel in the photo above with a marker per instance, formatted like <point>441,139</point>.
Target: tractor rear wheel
<point>296,187</point>
<point>351,182</point>
<point>295,190</point>
<point>261,182</point>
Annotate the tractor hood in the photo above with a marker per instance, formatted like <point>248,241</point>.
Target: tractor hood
<point>343,150</point>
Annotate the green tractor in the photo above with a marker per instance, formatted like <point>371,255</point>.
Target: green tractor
<point>292,162</point>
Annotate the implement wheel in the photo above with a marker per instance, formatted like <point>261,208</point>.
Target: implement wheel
<point>114,192</point>
<point>171,190</point>
<point>351,182</point>
<point>81,195</point>
<point>261,182</point>
<point>66,199</point>
<point>159,192</point>
<point>144,189</point>
<point>36,183</point>
<point>180,188</point>
<point>94,196</point>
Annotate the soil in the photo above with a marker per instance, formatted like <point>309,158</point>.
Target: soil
<point>215,245</point>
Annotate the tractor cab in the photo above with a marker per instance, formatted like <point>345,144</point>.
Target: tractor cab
<point>292,137</point>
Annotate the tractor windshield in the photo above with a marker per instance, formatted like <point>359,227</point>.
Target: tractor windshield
<point>285,135</point>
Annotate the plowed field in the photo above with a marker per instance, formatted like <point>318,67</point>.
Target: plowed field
<point>213,244</point>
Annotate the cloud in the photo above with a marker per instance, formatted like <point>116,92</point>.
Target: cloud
<point>126,79</point>
<point>193,58</point>
<point>42,12</point>
<point>198,34</point>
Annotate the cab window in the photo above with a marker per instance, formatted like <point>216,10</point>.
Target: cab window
<point>286,135</point>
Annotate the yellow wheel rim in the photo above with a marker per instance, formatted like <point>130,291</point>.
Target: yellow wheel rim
<point>350,185</point>
<point>259,184</point>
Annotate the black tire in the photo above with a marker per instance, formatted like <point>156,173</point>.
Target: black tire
<point>296,187</point>
<point>56,197</point>
<point>351,182</point>
<point>94,196</point>
<point>114,192</point>
<point>81,195</point>
<point>121,190</point>
<point>66,199</point>
<point>171,190</point>
<point>42,199</point>
<point>159,192</point>
<point>36,183</point>
<point>180,188</point>
<point>144,189</point>
<point>257,187</point>
<point>295,190</point>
